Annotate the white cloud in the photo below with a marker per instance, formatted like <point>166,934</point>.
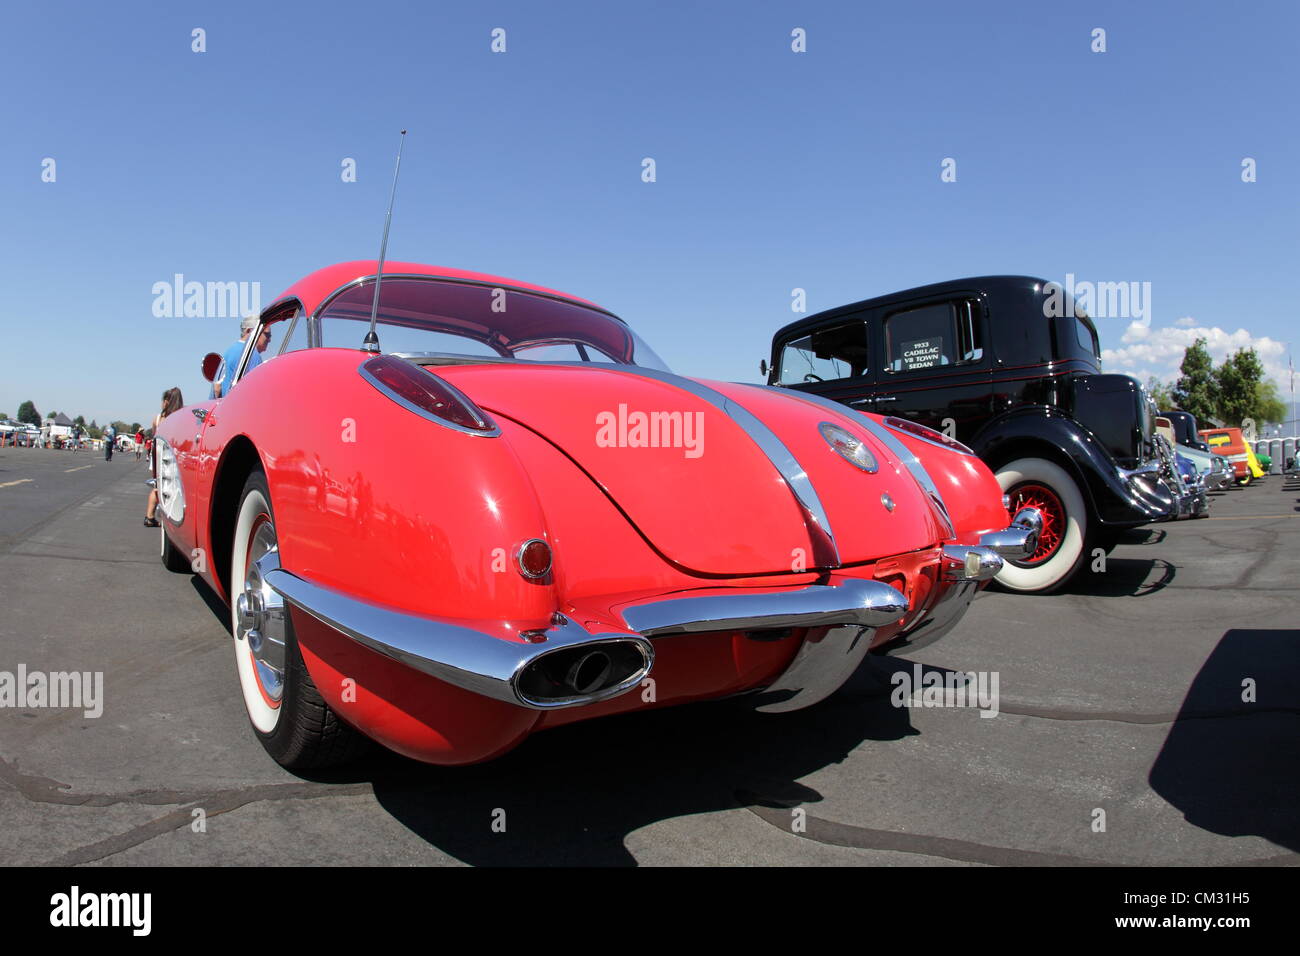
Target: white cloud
<point>1159,352</point>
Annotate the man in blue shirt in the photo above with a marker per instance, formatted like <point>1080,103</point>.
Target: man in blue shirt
<point>224,381</point>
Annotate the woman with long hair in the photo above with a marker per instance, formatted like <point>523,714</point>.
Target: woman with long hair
<point>171,402</point>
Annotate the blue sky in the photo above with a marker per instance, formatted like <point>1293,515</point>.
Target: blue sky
<point>775,170</point>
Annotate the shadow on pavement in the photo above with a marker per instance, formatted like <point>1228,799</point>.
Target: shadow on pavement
<point>214,603</point>
<point>572,795</point>
<point>1141,536</point>
<point>1123,577</point>
<point>1230,766</point>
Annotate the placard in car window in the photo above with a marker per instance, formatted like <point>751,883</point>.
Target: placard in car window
<point>922,353</point>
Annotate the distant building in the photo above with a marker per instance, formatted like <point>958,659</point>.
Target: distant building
<point>60,426</point>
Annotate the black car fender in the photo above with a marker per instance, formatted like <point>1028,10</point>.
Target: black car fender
<point>1114,497</point>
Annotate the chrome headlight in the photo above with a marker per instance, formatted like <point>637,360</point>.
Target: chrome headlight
<point>171,495</point>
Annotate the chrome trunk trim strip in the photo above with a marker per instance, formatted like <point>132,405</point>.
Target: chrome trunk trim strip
<point>825,551</point>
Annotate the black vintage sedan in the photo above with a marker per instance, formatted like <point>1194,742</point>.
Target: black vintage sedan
<point>1005,365</point>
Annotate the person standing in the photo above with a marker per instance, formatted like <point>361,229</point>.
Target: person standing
<point>139,442</point>
<point>225,379</point>
<point>110,436</point>
<point>171,402</point>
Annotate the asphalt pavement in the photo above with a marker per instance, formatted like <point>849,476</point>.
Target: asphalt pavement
<point>1150,714</point>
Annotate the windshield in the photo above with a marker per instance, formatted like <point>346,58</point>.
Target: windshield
<point>825,355</point>
<point>419,315</point>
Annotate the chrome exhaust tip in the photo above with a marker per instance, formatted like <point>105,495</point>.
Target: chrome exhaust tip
<point>589,673</point>
<point>584,673</point>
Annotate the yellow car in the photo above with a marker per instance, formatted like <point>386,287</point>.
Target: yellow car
<point>1256,470</point>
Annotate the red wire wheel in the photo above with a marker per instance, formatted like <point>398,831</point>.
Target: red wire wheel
<point>1031,494</point>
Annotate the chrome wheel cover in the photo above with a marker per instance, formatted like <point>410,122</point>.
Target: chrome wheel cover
<point>260,619</point>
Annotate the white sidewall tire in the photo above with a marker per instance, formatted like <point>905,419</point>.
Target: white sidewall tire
<point>1056,570</point>
<point>263,716</point>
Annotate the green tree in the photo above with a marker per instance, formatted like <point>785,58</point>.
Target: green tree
<point>1161,393</point>
<point>1269,405</point>
<point>1197,389</point>
<point>51,414</point>
<point>80,420</point>
<point>1239,380</point>
<point>27,413</point>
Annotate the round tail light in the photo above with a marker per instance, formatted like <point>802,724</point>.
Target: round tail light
<point>534,558</point>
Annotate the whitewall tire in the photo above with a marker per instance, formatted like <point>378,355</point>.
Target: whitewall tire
<point>1045,485</point>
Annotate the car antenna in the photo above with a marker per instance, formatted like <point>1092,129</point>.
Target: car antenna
<point>371,342</point>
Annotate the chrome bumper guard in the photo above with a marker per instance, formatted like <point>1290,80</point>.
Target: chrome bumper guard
<point>1018,541</point>
<point>966,563</point>
<point>1194,504</point>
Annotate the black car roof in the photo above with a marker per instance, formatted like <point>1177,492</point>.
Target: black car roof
<point>937,288</point>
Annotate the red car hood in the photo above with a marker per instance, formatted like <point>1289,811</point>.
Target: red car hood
<point>693,478</point>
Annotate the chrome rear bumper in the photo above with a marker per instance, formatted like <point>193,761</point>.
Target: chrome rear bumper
<point>473,659</point>
<point>850,612</point>
<point>854,601</point>
<point>513,670</point>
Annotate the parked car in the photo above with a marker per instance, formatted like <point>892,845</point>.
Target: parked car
<point>1230,443</point>
<point>1185,430</point>
<point>1002,365</point>
<point>1193,500</point>
<point>514,517</point>
<point>1209,467</point>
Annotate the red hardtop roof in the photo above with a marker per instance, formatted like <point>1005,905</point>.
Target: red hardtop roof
<point>311,290</point>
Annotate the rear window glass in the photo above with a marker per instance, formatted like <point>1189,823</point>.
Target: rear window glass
<point>1087,341</point>
<point>944,333</point>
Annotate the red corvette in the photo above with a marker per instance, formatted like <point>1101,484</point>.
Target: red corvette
<point>509,515</point>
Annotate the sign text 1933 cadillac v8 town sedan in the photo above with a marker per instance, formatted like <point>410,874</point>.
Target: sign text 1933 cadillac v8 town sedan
<point>508,515</point>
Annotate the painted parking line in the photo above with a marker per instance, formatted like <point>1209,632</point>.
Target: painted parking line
<point>1250,517</point>
<point>80,468</point>
<point>10,484</point>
